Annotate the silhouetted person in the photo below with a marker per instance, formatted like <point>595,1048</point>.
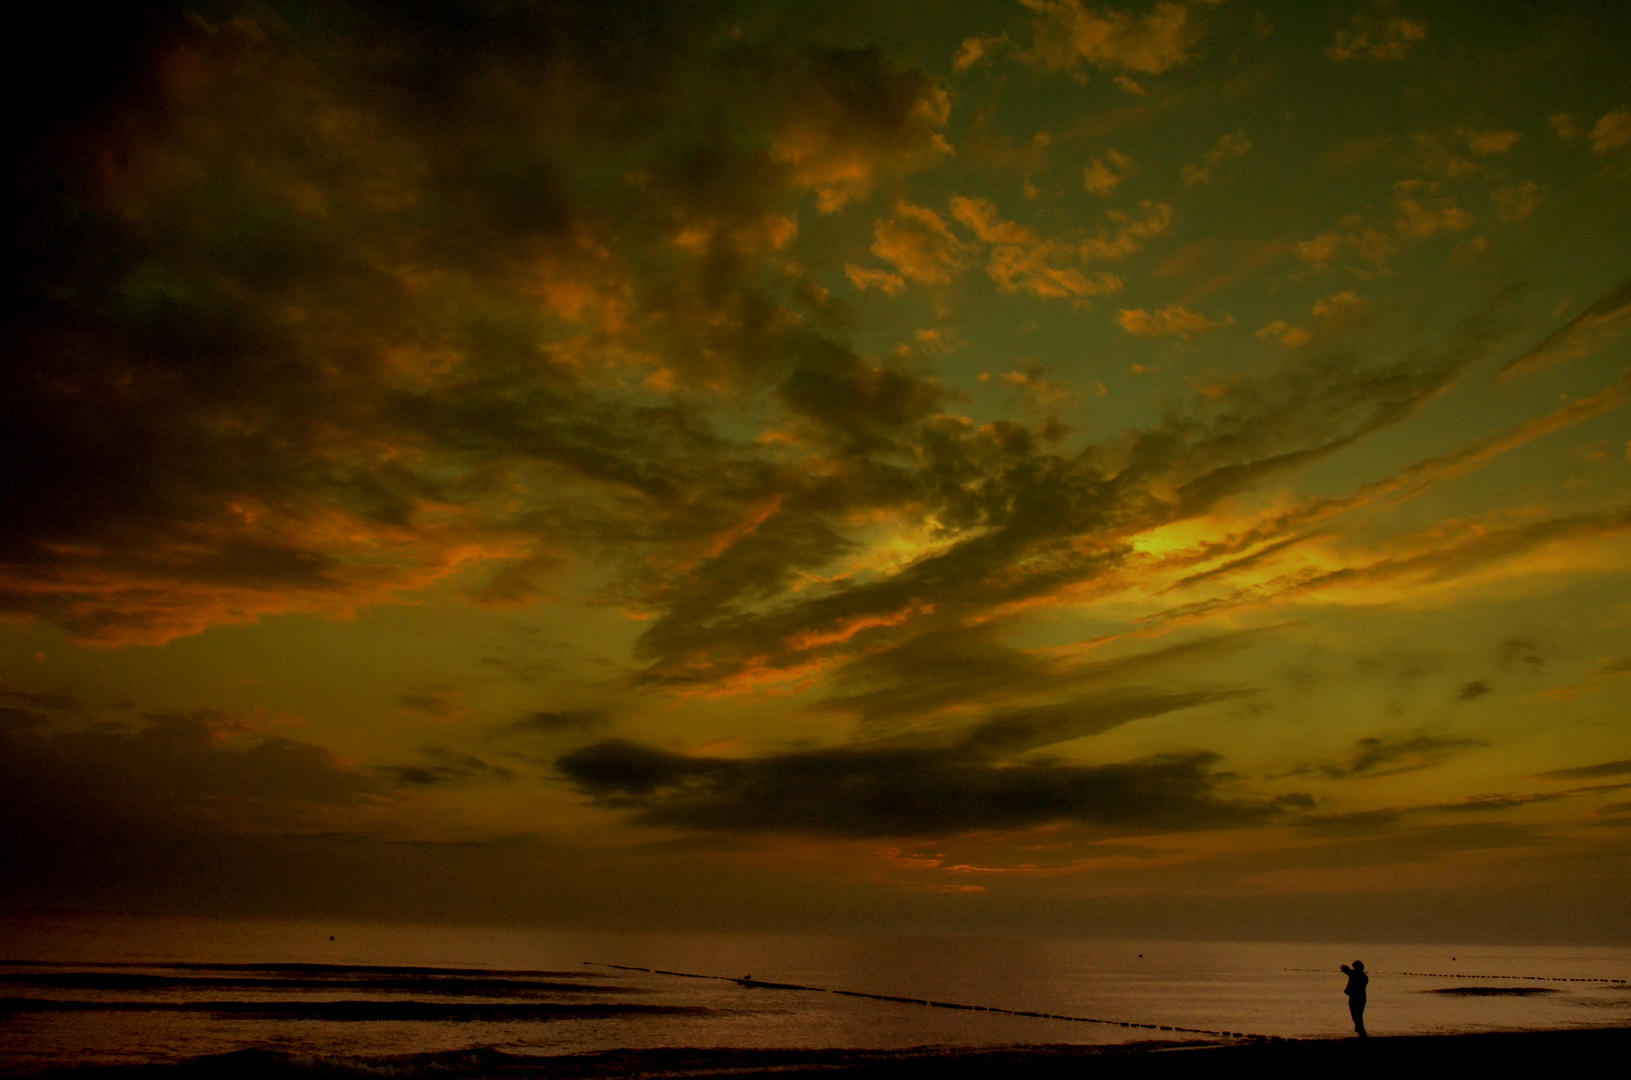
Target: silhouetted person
<point>1357,981</point>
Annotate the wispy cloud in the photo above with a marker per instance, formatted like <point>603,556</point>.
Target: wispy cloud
<point>1587,772</point>
<point>1378,39</point>
<point>1603,320</point>
<point>1068,32</point>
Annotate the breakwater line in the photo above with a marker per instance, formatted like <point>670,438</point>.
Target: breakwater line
<point>759,984</point>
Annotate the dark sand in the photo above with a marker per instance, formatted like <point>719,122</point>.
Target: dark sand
<point>1500,1053</point>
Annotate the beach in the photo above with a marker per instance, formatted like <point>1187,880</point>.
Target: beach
<point>191,997</point>
<point>1494,1051</point>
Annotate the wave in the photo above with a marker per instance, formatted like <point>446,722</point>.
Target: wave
<point>1495,991</point>
<point>415,984</point>
<point>489,1063</point>
<point>313,969</point>
<point>357,1011</point>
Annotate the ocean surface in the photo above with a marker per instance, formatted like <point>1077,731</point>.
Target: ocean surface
<point>81,991</point>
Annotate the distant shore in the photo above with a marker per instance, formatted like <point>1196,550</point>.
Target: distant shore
<point>1501,1051</point>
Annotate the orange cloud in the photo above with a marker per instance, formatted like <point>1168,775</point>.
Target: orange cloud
<point>1068,32</point>
<point>1170,321</point>
<point>1377,39</point>
<point>917,241</point>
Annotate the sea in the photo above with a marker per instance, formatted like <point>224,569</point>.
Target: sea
<point>97,990</point>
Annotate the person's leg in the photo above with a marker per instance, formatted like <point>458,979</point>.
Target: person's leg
<point>1356,1008</point>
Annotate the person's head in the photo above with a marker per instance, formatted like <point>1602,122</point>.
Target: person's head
<point>1359,965</point>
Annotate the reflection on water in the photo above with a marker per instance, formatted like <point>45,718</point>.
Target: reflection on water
<point>129,990</point>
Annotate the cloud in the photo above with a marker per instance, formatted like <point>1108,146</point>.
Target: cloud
<point>1335,311</point>
<point>919,244</point>
<point>192,770</point>
<point>1339,308</point>
<point>1423,212</point>
<point>1490,142</point>
<point>1435,558</point>
<point>1517,654</point>
<point>61,703</point>
<point>1603,320</point>
<point>1371,38</point>
<point>1320,251</point>
<point>1101,179</point>
<point>968,673</point>
<point>865,278</point>
<point>1587,772</point>
<point>1516,202</point>
<point>900,792</point>
<point>854,118</point>
<point>1565,126</point>
<point>1172,320</point>
<point>1130,232</point>
<point>438,702</point>
<point>568,721</point>
<point>1012,524</point>
<point>1387,756</point>
<point>442,767</point>
<point>1286,529</point>
<point>1042,396</point>
<point>434,339</point>
<point>1611,132</point>
<point>1020,260</point>
<point>1233,145</point>
<point>1294,337</point>
<point>397,350</point>
<point>1473,691</point>
<point>976,49</point>
<point>1067,32</point>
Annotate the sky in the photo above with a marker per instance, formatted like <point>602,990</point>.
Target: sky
<point>1023,466</point>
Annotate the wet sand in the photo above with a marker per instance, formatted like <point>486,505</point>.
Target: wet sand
<point>1500,1052</point>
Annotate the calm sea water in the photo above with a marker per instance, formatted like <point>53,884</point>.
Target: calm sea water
<point>120,991</point>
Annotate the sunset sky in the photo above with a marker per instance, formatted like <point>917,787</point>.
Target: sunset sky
<point>1018,465</point>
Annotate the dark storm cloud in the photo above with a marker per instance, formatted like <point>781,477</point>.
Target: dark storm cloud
<point>176,769</point>
<point>899,792</point>
<point>293,279</point>
<point>945,780</point>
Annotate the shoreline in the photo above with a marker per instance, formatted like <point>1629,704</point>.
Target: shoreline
<point>1491,1049</point>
